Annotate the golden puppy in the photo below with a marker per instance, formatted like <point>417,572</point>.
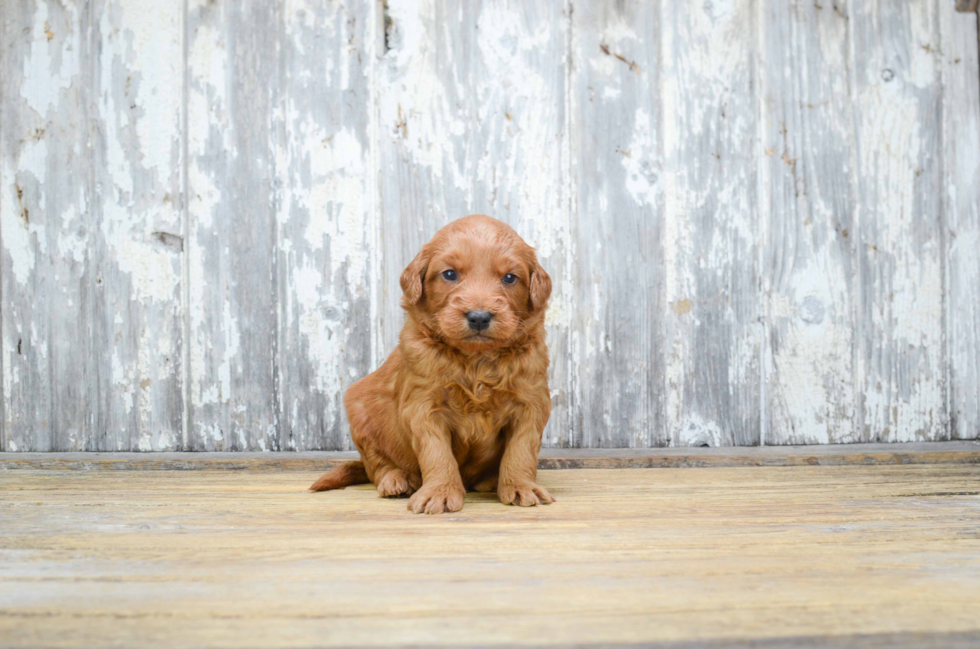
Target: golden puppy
<point>462,402</point>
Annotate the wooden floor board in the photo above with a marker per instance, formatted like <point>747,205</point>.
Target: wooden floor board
<point>959,452</point>
<point>863,556</point>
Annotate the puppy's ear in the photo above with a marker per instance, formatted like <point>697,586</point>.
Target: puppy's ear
<point>413,277</point>
<point>540,288</point>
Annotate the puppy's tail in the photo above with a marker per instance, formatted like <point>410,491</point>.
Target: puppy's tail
<point>341,476</point>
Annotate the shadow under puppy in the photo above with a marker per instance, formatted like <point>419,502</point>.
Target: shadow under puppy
<point>462,402</point>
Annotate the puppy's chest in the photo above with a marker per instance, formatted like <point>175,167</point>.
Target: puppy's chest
<point>482,390</point>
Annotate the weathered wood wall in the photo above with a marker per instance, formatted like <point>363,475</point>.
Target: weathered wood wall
<point>762,217</point>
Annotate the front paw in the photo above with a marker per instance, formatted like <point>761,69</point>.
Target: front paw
<point>523,494</point>
<point>437,499</point>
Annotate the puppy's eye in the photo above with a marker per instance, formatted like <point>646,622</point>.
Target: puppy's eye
<point>449,275</point>
<point>510,278</point>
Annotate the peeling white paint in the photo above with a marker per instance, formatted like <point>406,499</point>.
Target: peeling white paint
<point>642,179</point>
<point>123,381</point>
<point>153,271</point>
<point>324,343</point>
<point>22,236</point>
<point>231,349</point>
<point>695,431</point>
<point>487,108</point>
<point>335,200</point>
<point>52,64</point>
<point>74,240</point>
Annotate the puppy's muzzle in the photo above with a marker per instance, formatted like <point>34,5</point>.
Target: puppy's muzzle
<point>479,320</point>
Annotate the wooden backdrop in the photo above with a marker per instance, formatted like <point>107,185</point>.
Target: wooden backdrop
<point>761,216</point>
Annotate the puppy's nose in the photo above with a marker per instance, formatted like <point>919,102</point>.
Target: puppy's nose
<point>479,320</point>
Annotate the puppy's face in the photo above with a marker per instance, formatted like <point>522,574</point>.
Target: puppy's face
<point>477,284</point>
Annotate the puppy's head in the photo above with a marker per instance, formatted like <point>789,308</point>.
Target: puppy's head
<point>477,284</point>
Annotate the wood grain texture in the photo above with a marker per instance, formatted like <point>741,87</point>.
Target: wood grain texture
<point>632,556</point>
<point>91,226</point>
<point>901,374</point>
<point>138,184</point>
<point>967,5</point>
<point>39,413</point>
<point>553,458</point>
<point>328,228</point>
<point>618,326</point>
<point>808,166</point>
<point>712,227</point>
<point>233,300</point>
<point>961,223</point>
<point>761,218</point>
<point>472,120</point>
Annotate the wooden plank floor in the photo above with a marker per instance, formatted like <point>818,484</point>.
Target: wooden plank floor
<point>959,452</point>
<point>860,555</point>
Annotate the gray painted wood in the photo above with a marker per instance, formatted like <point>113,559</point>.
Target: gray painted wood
<point>91,226</point>
<point>138,184</point>
<point>472,120</point>
<point>901,374</point>
<point>961,211</point>
<point>808,164</point>
<point>45,128</point>
<point>712,235</point>
<point>233,79</point>
<point>329,233</point>
<point>618,227</point>
<point>761,218</point>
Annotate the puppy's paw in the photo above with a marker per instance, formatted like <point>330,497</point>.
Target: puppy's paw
<point>394,484</point>
<point>437,499</point>
<point>524,494</point>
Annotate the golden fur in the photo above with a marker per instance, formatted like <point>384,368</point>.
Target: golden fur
<point>452,409</point>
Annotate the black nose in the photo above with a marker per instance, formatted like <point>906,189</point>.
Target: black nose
<point>479,320</point>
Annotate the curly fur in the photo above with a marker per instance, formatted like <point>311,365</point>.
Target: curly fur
<point>451,410</point>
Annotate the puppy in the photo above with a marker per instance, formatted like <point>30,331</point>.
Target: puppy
<point>462,402</point>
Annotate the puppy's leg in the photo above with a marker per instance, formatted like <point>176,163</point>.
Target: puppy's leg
<point>392,482</point>
<point>442,487</point>
<point>387,476</point>
<point>517,484</point>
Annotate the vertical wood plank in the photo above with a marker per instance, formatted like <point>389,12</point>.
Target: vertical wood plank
<point>472,120</point>
<point>711,245</point>
<point>808,165</point>
<point>233,81</point>
<point>47,297</point>
<point>900,362</point>
<point>676,196</point>
<point>961,193</point>
<point>6,21</point>
<point>329,226</point>
<point>91,279</point>
<point>618,323</point>
<point>139,112</point>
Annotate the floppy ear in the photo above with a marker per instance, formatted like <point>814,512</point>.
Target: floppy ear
<point>413,276</point>
<point>540,288</point>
